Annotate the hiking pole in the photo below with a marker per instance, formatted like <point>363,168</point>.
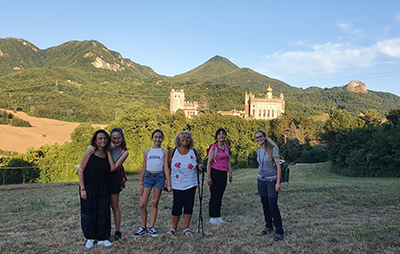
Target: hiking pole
<point>200,224</point>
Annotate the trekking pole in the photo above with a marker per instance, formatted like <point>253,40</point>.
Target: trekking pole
<point>200,224</point>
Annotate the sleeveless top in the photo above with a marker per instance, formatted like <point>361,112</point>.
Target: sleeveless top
<point>155,159</point>
<point>115,153</point>
<point>97,171</point>
<point>266,169</point>
<point>183,170</point>
<point>221,160</point>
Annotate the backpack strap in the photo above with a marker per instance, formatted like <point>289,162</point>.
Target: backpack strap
<point>170,155</point>
<point>197,156</point>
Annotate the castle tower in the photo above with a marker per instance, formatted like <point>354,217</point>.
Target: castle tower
<point>246,105</point>
<point>269,92</point>
<point>176,100</point>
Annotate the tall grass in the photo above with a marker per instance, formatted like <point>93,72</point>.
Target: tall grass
<point>322,213</point>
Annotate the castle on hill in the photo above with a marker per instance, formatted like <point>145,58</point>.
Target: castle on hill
<point>264,108</point>
<point>256,108</point>
<point>177,101</point>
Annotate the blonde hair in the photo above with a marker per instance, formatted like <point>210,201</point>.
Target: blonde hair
<point>177,138</point>
<point>268,145</point>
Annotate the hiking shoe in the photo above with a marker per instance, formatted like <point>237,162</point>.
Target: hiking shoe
<point>104,243</point>
<point>171,232</point>
<point>153,232</point>
<point>117,236</point>
<point>278,237</point>
<point>214,221</point>
<point>266,231</point>
<point>142,231</point>
<point>89,244</point>
<point>221,220</point>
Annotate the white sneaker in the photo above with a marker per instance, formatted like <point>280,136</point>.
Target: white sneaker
<point>221,220</point>
<point>89,244</point>
<point>105,243</point>
<point>214,221</point>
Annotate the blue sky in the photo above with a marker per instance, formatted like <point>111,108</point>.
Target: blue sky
<point>303,43</point>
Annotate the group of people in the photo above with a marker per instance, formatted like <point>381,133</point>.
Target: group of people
<point>176,170</point>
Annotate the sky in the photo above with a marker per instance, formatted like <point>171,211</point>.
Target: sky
<point>303,43</point>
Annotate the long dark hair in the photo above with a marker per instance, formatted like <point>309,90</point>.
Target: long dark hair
<point>119,130</point>
<point>93,141</point>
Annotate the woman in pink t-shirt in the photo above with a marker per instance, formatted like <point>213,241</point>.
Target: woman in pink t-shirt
<point>218,167</point>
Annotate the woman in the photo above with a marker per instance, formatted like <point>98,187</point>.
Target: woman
<point>153,175</point>
<point>218,166</point>
<point>183,161</point>
<point>94,174</point>
<point>269,176</point>
<point>118,154</point>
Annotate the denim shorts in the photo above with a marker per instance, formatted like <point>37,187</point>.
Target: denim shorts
<point>154,180</point>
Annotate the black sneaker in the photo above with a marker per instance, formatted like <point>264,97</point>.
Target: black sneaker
<point>142,231</point>
<point>278,237</point>
<point>266,231</point>
<point>117,236</point>
<point>153,232</point>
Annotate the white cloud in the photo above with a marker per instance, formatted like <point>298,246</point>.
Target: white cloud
<point>389,47</point>
<point>328,57</point>
<point>346,27</point>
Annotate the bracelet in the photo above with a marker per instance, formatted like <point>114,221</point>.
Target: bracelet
<point>83,190</point>
<point>230,172</point>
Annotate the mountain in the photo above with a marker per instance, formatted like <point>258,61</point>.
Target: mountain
<point>220,70</point>
<point>84,81</point>
<point>18,54</point>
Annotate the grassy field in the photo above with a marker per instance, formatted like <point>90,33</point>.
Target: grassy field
<point>322,213</point>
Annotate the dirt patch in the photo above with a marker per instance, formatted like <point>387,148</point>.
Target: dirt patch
<point>43,131</point>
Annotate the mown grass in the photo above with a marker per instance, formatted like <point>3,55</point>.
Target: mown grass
<point>322,213</point>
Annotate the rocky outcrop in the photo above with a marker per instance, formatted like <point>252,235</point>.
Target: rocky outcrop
<point>100,63</point>
<point>356,87</point>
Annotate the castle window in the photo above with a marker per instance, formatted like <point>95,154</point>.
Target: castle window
<point>254,112</point>
<point>259,113</point>
<point>264,113</point>
<point>272,113</point>
<point>269,113</point>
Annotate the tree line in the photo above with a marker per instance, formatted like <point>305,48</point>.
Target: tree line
<point>357,146</point>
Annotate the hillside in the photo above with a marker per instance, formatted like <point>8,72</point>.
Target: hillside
<point>83,81</point>
<point>43,131</point>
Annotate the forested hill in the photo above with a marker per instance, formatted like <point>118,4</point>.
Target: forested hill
<point>220,70</point>
<point>86,82</point>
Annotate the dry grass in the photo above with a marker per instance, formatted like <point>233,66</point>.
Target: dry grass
<point>322,213</point>
<point>43,131</point>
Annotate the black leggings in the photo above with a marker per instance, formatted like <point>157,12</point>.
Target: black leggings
<point>269,200</point>
<point>217,190</point>
<point>183,199</point>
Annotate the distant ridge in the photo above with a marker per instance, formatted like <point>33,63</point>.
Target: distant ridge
<point>19,54</point>
<point>84,81</point>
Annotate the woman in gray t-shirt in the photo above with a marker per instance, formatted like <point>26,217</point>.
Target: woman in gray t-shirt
<point>269,184</point>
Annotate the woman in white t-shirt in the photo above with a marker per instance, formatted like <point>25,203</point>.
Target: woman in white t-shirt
<point>183,161</point>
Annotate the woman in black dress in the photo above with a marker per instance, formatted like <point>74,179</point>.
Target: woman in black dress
<point>94,175</point>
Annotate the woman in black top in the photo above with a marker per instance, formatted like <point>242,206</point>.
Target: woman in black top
<point>94,174</point>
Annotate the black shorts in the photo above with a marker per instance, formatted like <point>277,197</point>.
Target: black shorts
<point>183,199</point>
<point>115,183</point>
